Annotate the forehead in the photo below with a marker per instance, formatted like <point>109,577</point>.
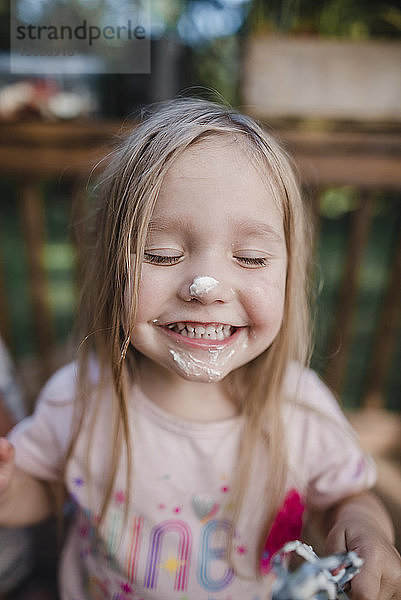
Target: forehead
<point>218,178</point>
<point>211,157</point>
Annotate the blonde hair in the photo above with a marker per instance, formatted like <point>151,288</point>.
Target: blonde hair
<point>125,198</point>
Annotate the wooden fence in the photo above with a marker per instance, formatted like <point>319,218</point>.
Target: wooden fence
<point>369,161</point>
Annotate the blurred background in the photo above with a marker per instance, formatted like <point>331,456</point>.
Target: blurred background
<point>326,77</point>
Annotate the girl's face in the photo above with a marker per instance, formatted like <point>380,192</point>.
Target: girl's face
<point>212,290</point>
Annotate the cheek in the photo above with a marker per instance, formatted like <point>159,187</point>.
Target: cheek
<point>152,293</point>
<point>265,301</point>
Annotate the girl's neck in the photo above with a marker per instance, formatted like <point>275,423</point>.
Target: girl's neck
<point>190,400</point>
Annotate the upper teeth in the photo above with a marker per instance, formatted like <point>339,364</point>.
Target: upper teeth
<point>212,332</point>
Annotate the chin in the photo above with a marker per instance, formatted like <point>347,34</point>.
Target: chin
<point>200,375</point>
<point>209,366</point>
<point>209,379</point>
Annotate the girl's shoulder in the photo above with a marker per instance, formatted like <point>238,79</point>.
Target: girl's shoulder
<point>324,452</point>
<point>305,392</point>
<point>41,440</point>
<point>60,388</point>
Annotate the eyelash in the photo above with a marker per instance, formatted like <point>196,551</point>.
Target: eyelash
<point>160,259</point>
<point>256,261</point>
<point>171,260</point>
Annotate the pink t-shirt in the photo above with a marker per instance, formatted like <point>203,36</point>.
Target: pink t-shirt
<point>172,544</point>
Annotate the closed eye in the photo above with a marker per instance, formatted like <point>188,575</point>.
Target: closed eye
<point>254,261</point>
<point>160,259</point>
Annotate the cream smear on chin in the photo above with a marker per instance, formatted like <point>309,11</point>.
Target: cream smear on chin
<point>209,364</point>
<point>202,285</point>
<point>211,367</point>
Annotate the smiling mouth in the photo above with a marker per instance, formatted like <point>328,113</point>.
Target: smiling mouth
<point>207,331</point>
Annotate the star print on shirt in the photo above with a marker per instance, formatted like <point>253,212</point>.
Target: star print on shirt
<point>172,564</point>
<point>119,497</point>
<point>126,588</point>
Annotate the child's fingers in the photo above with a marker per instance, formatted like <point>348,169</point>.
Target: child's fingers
<point>336,542</point>
<point>6,451</point>
<point>366,585</point>
<point>380,576</point>
<point>6,463</point>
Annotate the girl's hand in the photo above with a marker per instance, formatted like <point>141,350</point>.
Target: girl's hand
<point>353,529</point>
<point>6,464</point>
<point>24,500</point>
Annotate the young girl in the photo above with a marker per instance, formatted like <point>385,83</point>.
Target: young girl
<point>189,434</point>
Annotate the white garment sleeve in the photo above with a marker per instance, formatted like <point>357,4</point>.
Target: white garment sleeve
<point>9,386</point>
<point>324,451</point>
<point>41,440</point>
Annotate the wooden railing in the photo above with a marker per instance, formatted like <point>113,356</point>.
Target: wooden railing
<point>369,162</point>
<point>33,152</point>
<point>29,154</point>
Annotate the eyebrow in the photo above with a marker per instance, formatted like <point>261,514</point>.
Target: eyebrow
<point>258,229</point>
<point>166,225</point>
<point>248,227</point>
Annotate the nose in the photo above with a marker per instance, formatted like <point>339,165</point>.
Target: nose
<point>206,290</point>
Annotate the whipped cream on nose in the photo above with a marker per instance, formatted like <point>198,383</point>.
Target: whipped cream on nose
<point>202,285</point>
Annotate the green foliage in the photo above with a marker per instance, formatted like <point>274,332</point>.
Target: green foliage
<point>215,67</point>
<point>59,259</point>
<point>355,19</point>
<point>372,281</point>
<point>334,202</point>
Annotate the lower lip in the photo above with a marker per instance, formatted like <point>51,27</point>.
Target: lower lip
<point>201,343</point>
